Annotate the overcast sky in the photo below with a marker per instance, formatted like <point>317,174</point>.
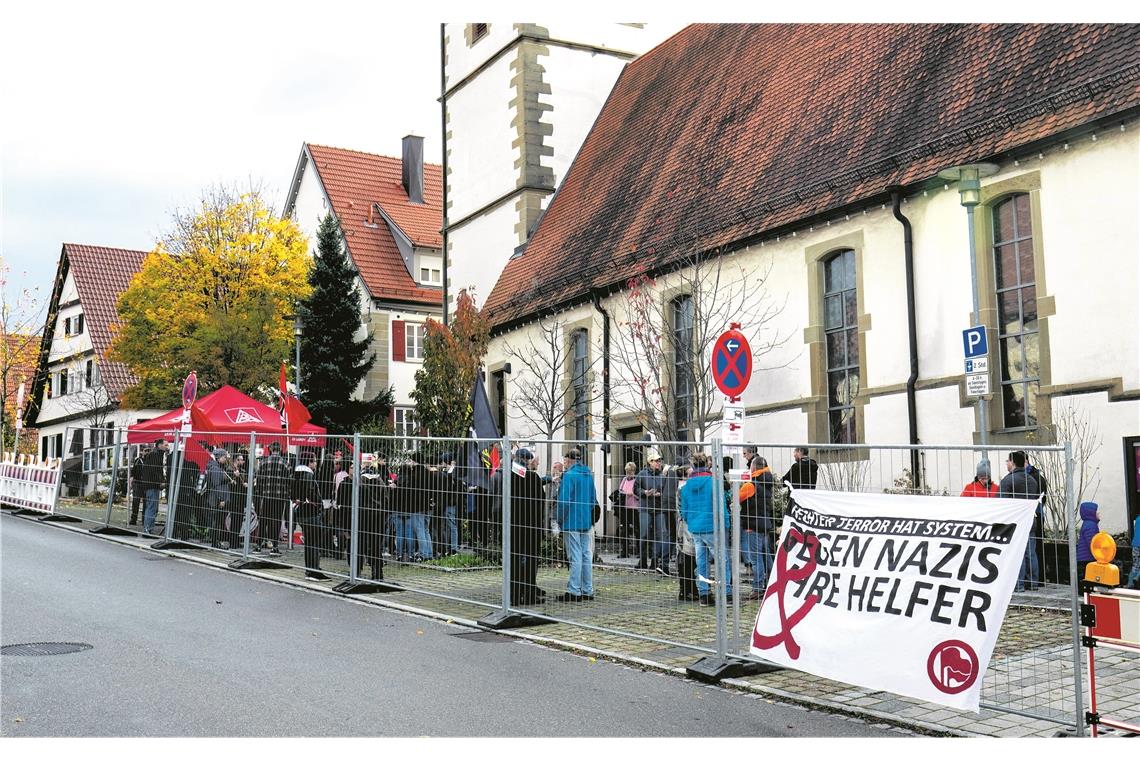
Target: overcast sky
<point>113,118</point>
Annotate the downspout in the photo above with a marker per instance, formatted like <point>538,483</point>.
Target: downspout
<point>605,376</point>
<point>443,132</point>
<point>912,335</point>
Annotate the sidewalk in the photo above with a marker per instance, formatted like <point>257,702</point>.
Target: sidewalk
<point>637,618</point>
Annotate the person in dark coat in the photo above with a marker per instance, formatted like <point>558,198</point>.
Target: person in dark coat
<point>450,496</point>
<point>1020,484</point>
<point>189,511</point>
<point>370,528</point>
<point>804,471</point>
<point>528,518</point>
<point>154,479</point>
<point>271,490</point>
<point>309,508</point>
<point>341,514</point>
<point>217,497</point>
<point>239,495</point>
<point>137,484</point>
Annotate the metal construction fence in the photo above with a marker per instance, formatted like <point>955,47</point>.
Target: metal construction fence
<point>480,522</point>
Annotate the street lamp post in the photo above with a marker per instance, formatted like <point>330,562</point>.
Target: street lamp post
<point>969,179</point>
<point>298,329</point>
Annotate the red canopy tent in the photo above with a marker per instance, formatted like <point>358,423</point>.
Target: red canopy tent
<point>226,416</point>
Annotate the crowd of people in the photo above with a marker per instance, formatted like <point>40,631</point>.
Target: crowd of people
<point>420,511</point>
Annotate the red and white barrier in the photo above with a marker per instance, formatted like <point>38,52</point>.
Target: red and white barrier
<point>30,484</point>
<point>1115,618</point>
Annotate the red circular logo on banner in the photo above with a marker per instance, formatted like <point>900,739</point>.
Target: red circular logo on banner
<point>952,666</point>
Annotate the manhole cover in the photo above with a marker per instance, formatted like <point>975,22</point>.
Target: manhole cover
<point>37,648</point>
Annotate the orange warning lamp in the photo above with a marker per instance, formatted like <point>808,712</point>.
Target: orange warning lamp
<point>1102,572</point>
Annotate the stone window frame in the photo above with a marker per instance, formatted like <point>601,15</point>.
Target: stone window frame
<point>819,427</point>
<point>675,366</point>
<point>991,195</point>
<point>587,325</point>
<point>845,329</point>
<point>472,33</point>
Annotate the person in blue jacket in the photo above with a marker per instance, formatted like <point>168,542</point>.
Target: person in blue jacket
<point>1090,526</point>
<point>697,497</point>
<point>575,516</point>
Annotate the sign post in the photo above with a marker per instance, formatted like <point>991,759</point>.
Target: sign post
<point>732,370</point>
<point>976,350</point>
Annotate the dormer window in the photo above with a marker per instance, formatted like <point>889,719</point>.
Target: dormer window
<point>430,276</point>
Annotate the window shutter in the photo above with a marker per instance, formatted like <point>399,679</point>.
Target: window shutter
<point>399,347</point>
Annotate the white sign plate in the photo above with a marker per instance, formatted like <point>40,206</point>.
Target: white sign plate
<point>981,364</point>
<point>977,385</point>
<point>730,437</point>
<point>734,412</point>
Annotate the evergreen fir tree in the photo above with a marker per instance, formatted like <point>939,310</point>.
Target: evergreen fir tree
<point>333,362</point>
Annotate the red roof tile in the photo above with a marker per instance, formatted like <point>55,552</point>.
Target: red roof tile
<point>725,132</point>
<point>353,182</point>
<point>101,276</point>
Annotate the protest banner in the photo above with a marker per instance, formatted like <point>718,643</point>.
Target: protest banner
<point>897,593</point>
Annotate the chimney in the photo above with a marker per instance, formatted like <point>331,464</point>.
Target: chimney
<point>412,170</point>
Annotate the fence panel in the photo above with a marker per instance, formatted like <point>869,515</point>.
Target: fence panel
<point>1033,668</point>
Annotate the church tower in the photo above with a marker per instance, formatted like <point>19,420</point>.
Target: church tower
<point>518,101</point>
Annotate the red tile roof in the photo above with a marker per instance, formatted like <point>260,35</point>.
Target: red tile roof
<point>101,276</point>
<point>353,182</point>
<point>726,132</point>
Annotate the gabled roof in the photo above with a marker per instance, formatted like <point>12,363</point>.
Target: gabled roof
<point>354,181</point>
<point>101,275</point>
<point>727,132</point>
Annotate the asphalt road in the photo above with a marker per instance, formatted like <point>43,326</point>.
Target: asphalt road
<point>180,649</point>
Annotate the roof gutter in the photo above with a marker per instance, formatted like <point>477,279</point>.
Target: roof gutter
<point>912,334</point>
<point>597,297</point>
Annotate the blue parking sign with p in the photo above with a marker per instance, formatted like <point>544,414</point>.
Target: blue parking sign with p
<point>974,341</point>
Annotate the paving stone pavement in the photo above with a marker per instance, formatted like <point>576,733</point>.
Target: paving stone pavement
<point>637,617</point>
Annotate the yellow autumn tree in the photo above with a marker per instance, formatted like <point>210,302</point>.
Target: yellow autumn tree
<point>213,296</point>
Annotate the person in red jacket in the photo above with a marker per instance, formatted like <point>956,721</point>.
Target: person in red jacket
<point>981,486</point>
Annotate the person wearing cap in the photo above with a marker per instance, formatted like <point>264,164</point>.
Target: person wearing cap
<point>528,513</point>
<point>217,496</point>
<point>576,499</point>
<point>649,486</point>
<point>981,486</point>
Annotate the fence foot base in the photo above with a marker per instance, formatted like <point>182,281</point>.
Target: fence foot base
<point>500,619</point>
<point>257,564</point>
<point>174,544</point>
<point>365,587</point>
<point>715,670</point>
<point>56,518</point>
<point>111,530</point>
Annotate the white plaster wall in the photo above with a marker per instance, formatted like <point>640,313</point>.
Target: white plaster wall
<point>579,83</point>
<point>481,159</point>
<point>311,205</point>
<point>1091,231</point>
<point>462,60</point>
<point>480,250</point>
<point>1113,421</point>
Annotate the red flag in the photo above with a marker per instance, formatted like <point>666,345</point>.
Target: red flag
<point>296,414</point>
<point>281,382</point>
